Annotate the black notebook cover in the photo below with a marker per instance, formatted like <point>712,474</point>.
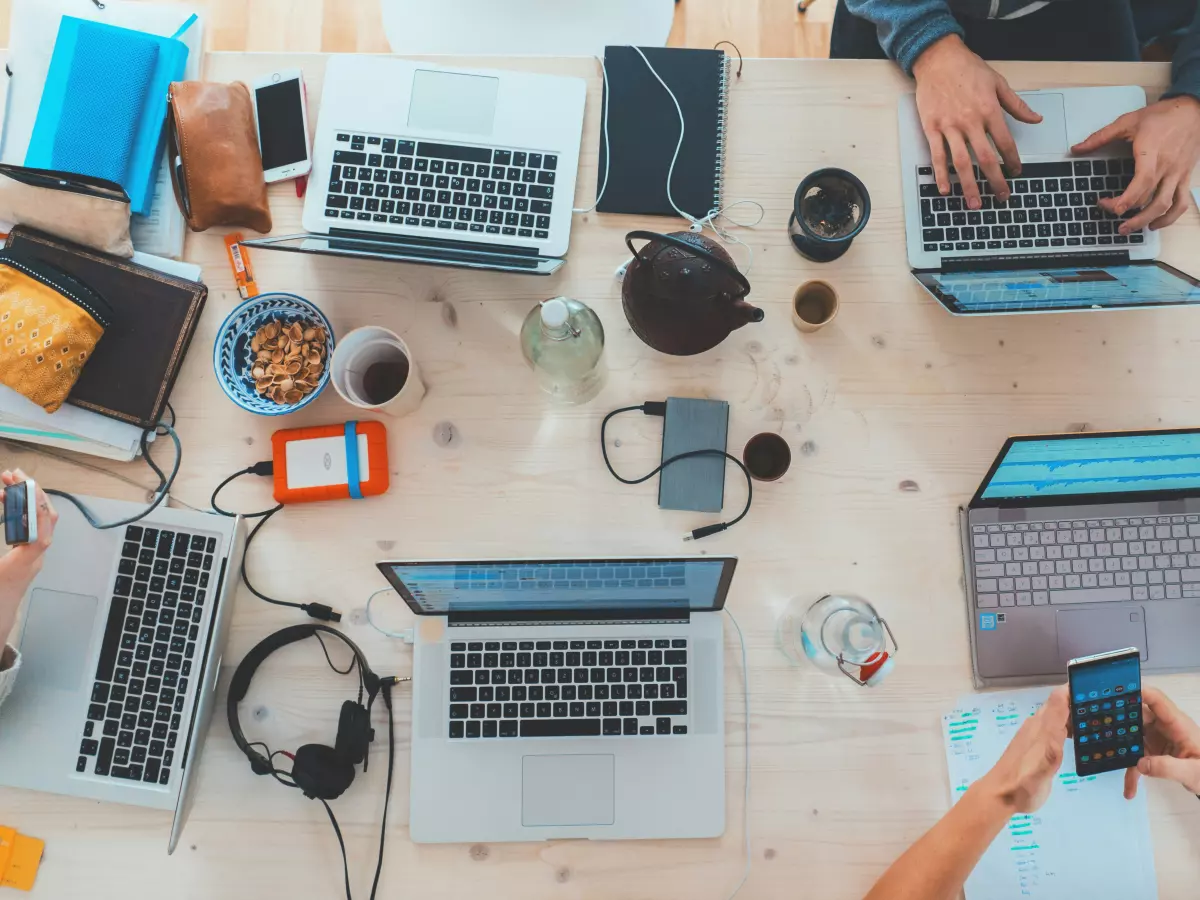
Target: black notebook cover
<point>131,372</point>
<point>643,130</point>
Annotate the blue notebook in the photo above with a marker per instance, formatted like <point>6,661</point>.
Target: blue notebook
<point>104,105</point>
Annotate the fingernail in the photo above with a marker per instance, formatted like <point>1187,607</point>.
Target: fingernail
<point>973,203</point>
<point>1004,197</point>
<point>943,190</point>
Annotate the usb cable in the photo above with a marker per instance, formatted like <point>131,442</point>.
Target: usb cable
<point>659,408</point>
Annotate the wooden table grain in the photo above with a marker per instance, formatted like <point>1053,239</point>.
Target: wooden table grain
<point>893,413</point>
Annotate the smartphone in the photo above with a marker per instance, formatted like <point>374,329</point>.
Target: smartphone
<point>281,115</point>
<point>1106,711</point>
<point>20,513</point>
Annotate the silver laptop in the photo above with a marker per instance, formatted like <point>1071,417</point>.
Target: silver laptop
<point>419,163</point>
<point>1080,543</point>
<point>121,644</point>
<point>1049,248</point>
<point>567,698</point>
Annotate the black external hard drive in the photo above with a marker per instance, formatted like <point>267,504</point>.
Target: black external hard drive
<point>696,483</point>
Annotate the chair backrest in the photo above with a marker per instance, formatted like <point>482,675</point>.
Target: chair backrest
<point>524,27</point>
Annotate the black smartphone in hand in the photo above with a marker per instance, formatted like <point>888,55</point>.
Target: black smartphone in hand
<point>20,513</point>
<point>1106,711</point>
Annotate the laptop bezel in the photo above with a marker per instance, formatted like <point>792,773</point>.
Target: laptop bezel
<point>1079,261</point>
<point>979,502</point>
<point>512,616</point>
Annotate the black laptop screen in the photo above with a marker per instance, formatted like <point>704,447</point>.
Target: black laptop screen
<point>440,588</point>
<point>1088,464</point>
<point>1051,290</point>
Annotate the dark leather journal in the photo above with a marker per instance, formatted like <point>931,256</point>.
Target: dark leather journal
<point>134,366</point>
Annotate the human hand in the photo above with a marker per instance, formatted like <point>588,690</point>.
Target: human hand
<point>21,564</point>
<point>1172,745</point>
<point>1023,776</point>
<point>962,101</point>
<point>1166,144</point>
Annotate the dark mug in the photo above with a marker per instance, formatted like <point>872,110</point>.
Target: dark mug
<point>767,456</point>
<point>830,208</point>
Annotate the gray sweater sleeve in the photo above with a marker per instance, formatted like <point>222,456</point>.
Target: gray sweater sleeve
<point>1185,67</point>
<point>906,27</point>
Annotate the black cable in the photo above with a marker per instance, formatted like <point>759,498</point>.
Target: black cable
<point>652,408</point>
<point>341,844</point>
<point>385,687</point>
<point>164,482</point>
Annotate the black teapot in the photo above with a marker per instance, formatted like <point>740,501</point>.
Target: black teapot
<point>683,293</point>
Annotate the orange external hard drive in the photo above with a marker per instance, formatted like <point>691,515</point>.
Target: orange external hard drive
<point>330,462</point>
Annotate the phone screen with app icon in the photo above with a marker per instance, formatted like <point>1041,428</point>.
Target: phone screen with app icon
<point>1106,711</point>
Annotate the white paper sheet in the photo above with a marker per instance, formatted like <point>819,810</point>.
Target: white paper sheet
<point>1087,841</point>
<point>32,31</point>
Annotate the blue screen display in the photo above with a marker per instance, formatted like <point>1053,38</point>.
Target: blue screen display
<point>1097,465</point>
<point>680,584</point>
<point>1060,289</point>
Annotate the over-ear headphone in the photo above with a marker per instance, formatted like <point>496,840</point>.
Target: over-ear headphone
<point>320,771</point>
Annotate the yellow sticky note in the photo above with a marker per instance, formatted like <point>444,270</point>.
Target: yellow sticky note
<point>23,865</point>
<point>8,837</point>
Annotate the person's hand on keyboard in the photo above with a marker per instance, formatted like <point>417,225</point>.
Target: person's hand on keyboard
<point>1024,774</point>
<point>962,101</point>
<point>1172,745</point>
<point>21,564</point>
<point>1166,144</point>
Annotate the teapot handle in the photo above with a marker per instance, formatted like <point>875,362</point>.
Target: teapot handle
<point>731,271</point>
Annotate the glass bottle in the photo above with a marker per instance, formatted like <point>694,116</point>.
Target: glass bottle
<point>838,633</point>
<point>563,342</point>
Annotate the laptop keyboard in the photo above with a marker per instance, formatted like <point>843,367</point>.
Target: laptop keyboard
<point>1086,561</point>
<point>576,688</point>
<point>445,187</point>
<point>141,686</point>
<point>1053,205</point>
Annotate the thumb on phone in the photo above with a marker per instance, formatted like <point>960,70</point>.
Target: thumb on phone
<point>1183,771</point>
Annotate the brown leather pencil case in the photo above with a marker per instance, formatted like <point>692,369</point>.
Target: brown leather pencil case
<point>215,164</point>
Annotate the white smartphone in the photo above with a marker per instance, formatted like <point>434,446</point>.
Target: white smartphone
<point>281,115</point>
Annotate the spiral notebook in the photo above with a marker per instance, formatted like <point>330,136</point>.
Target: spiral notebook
<point>643,131</point>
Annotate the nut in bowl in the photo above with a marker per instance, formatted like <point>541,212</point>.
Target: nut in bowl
<point>272,352</point>
<point>288,359</point>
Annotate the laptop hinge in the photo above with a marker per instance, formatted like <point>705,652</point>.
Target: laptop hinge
<point>1015,262</point>
<point>569,617</point>
<point>440,243</point>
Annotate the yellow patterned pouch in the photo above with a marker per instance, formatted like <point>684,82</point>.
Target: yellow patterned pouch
<point>49,326</point>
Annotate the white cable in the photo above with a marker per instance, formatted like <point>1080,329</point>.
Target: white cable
<point>607,145</point>
<point>746,753</point>
<point>406,635</point>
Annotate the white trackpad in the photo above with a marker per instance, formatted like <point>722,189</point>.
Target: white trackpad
<point>55,639</point>
<point>567,789</point>
<point>1048,137</point>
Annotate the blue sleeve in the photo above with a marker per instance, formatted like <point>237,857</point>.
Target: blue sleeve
<point>1185,67</point>
<point>906,27</point>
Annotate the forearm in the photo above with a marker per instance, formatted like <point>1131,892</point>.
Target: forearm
<point>1185,67</point>
<point>906,28</point>
<point>936,866</point>
<point>17,571</point>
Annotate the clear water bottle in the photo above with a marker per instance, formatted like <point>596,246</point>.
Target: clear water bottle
<point>839,633</point>
<point>563,341</point>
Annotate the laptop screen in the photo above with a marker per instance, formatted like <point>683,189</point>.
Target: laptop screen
<point>1049,290</point>
<point>564,586</point>
<point>1070,466</point>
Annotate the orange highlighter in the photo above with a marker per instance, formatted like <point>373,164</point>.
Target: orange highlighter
<point>330,462</point>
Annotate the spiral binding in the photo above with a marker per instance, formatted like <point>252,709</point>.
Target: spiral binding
<point>722,125</point>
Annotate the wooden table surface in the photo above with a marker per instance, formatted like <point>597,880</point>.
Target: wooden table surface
<point>893,413</point>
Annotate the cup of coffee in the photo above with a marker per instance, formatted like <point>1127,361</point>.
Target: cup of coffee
<point>830,208</point>
<point>372,368</point>
<point>814,305</point>
<point>767,456</point>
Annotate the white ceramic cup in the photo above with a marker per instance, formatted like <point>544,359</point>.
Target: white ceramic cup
<point>353,358</point>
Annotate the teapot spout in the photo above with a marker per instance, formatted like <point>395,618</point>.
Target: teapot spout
<point>743,313</point>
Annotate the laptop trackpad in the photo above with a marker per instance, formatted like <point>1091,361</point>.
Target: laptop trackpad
<point>567,789</point>
<point>1082,632</point>
<point>54,644</point>
<point>1048,136</point>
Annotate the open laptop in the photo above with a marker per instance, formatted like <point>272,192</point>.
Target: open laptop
<point>567,698</point>
<point>121,644</point>
<point>419,163</point>
<point>1076,544</point>
<point>1049,248</point>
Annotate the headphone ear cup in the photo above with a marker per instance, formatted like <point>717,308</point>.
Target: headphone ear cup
<point>321,772</point>
<point>354,734</point>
